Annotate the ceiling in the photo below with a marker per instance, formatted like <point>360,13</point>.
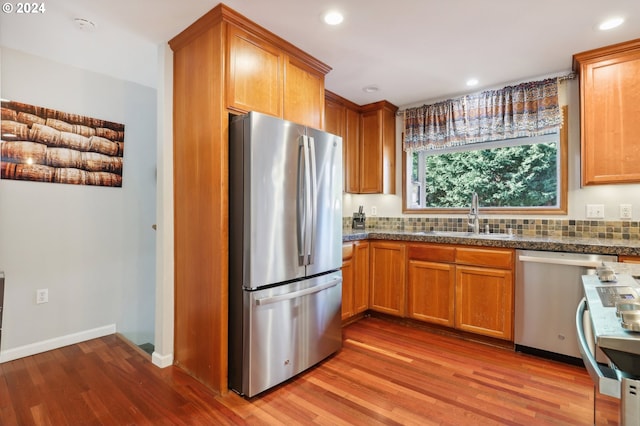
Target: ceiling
<point>414,51</point>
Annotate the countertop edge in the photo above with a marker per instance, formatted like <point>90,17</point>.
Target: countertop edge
<point>564,244</point>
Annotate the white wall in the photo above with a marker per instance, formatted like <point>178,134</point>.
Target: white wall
<point>163,353</point>
<point>609,195</point>
<point>92,247</point>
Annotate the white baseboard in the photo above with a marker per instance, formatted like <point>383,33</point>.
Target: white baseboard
<point>55,343</point>
<point>161,361</point>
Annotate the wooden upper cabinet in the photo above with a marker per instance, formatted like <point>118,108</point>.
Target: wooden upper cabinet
<point>369,143</point>
<point>303,94</point>
<point>351,151</point>
<point>266,74</point>
<point>377,148</point>
<point>334,117</point>
<point>254,74</point>
<point>370,163</point>
<point>609,110</point>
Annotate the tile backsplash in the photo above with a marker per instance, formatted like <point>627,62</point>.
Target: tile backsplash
<point>625,230</point>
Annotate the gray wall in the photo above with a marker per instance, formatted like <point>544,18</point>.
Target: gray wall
<point>92,247</point>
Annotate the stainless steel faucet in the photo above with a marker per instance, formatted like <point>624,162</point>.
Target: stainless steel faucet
<point>474,216</point>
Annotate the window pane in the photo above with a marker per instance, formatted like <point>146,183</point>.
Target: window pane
<point>514,176</point>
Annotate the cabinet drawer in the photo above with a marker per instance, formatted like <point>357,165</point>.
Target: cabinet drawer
<point>432,252</point>
<point>497,258</point>
<point>347,251</point>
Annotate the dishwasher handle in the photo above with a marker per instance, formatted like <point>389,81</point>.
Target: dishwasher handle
<point>605,378</point>
<point>560,261</point>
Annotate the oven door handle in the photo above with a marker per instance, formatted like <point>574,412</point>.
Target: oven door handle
<point>605,378</point>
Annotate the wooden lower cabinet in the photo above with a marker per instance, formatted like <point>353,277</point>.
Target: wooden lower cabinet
<point>467,288</point>
<point>431,289</point>
<point>628,259</point>
<point>387,285</point>
<point>484,301</point>
<point>355,278</point>
<point>463,287</point>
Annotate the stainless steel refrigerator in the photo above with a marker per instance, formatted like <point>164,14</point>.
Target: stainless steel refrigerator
<point>285,250</point>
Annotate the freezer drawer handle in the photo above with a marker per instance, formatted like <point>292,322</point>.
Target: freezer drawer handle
<point>560,261</point>
<point>295,294</point>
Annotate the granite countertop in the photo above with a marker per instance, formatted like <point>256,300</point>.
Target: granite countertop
<point>551,243</point>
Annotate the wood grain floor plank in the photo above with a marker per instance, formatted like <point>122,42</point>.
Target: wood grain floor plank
<point>386,374</point>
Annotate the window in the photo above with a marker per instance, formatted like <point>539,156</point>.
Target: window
<point>526,175</point>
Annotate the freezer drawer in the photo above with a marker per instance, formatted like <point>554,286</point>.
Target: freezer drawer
<point>286,329</point>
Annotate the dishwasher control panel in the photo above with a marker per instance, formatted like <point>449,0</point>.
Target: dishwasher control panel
<point>609,295</point>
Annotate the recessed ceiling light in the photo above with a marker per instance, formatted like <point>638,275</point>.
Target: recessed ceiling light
<point>84,24</point>
<point>472,82</point>
<point>333,18</point>
<point>610,23</point>
<point>370,89</point>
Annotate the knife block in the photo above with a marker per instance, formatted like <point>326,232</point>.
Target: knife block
<point>358,221</point>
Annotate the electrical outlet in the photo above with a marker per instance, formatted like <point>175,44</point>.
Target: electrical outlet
<point>625,211</point>
<point>42,295</point>
<point>374,211</point>
<point>595,211</point>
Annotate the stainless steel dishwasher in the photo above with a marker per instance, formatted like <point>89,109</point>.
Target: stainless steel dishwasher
<point>548,288</point>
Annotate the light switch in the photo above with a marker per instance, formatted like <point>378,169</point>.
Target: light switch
<point>595,211</point>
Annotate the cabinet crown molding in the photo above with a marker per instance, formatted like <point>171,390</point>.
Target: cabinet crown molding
<point>223,13</point>
<point>601,52</point>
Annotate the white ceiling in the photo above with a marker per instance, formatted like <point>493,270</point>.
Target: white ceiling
<point>413,50</point>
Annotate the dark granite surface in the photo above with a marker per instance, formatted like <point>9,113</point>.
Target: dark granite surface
<point>565,244</point>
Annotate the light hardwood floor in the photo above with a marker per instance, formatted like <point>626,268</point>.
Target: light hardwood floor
<point>386,373</point>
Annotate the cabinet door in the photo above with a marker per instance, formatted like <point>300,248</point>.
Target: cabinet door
<point>334,118</point>
<point>361,277</point>
<point>484,301</point>
<point>628,259</point>
<point>371,152</point>
<point>303,94</point>
<point>254,74</point>
<point>351,145</point>
<point>387,290</point>
<point>610,96</point>
<point>431,288</point>
<point>348,276</point>
<point>388,144</point>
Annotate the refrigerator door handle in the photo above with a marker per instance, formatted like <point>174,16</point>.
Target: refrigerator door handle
<point>308,215</point>
<point>314,201</point>
<point>288,296</point>
<point>301,203</point>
